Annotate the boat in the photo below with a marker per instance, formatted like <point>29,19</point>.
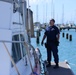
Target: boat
<point>17,55</point>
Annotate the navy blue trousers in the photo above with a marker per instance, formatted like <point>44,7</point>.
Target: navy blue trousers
<point>52,50</point>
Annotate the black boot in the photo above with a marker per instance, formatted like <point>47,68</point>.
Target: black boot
<point>48,65</point>
<point>56,66</point>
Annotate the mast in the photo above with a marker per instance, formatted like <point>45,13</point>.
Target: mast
<point>57,18</point>
<point>28,14</point>
<point>63,14</point>
<point>24,19</point>
<point>37,13</point>
<point>43,14</point>
<point>23,5</point>
<point>23,1</point>
<point>52,9</point>
<point>29,33</point>
<point>46,13</point>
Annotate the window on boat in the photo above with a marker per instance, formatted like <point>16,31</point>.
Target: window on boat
<point>22,45</point>
<point>16,50</point>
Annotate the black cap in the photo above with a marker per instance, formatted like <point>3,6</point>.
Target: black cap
<point>52,20</point>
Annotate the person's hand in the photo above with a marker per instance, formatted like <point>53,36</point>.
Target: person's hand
<point>42,43</point>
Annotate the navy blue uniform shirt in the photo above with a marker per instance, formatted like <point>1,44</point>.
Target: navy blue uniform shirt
<point>51,32</point>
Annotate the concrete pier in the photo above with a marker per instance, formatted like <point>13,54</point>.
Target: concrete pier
<point>64,69</point>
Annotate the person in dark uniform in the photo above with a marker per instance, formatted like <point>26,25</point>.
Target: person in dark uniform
<point>52,34</point>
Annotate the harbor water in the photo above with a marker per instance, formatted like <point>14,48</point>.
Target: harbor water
<point>67,49</point>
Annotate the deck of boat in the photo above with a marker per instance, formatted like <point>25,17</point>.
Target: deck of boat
<point>64,69</point>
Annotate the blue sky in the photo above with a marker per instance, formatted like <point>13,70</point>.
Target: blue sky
<point>69,10</point>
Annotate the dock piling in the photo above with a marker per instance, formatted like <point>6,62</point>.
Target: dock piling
<point>67,36</point>
<point>70,38</point>
<point>39,33</point>
<point>63,35</point>
<point>37,38</point>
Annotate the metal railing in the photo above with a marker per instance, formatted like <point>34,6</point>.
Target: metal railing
<point>41,62</point>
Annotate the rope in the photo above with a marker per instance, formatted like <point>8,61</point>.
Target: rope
<point>42,63</point>
<point>34,53</point>
<point>28,56</point>
<point>27,52</point>
<point>11,58</point>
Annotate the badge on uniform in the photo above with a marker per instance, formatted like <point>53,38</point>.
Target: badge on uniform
<point>52,29</point>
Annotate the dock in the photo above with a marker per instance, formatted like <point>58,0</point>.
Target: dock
<point>64,69</point>
<point>67,28</point>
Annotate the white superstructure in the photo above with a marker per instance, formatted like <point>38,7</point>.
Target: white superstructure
<point>14,39</point>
